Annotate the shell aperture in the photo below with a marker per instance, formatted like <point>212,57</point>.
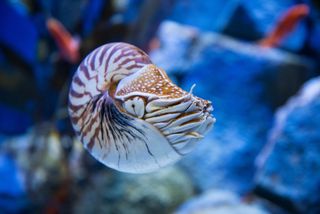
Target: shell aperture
<point>129,115</point>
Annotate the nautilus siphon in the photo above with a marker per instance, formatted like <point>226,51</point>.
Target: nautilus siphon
<point>129,115</point>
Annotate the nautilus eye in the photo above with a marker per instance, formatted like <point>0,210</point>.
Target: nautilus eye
<point>129,115</point>
<point>135,107</point>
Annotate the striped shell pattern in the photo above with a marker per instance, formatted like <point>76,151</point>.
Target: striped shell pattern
<point>129,115</point>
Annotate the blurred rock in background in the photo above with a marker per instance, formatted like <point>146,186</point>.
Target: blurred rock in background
<point>160,192</point>
<point>288,168</point>
<point>219,202</point>
<point>246,20</point>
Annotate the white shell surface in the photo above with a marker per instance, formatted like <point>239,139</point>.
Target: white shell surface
<point>147,153</point>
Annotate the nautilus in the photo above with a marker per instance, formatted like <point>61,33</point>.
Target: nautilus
<point>129,115</point>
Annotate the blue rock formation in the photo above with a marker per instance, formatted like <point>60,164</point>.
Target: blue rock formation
<point>289,165</point>
<point>206,15</point>
<point>247,20</point>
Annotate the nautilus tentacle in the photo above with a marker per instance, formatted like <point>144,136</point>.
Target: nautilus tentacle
<point>129,115</point>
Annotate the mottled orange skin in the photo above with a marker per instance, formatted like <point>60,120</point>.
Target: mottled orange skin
<point>68,46</point>
<point>154,81</point>
<point>285,25</point>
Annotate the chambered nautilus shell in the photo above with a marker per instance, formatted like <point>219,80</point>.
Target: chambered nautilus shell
<point>129,115</point>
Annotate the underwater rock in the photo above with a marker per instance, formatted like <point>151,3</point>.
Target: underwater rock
<point>176,47</point>
<point>159,192</point>
<point>38,153</point>
<point>205,15</point>
<point>245,83</point>
<point>241,19</point>
<point>218,202</point>
<point>257,17</point>
<point>40,171</point>
<point>288,167</point>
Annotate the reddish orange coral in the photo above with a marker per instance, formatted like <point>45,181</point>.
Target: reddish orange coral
<point>285,25</point>
<point>68,46</point>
